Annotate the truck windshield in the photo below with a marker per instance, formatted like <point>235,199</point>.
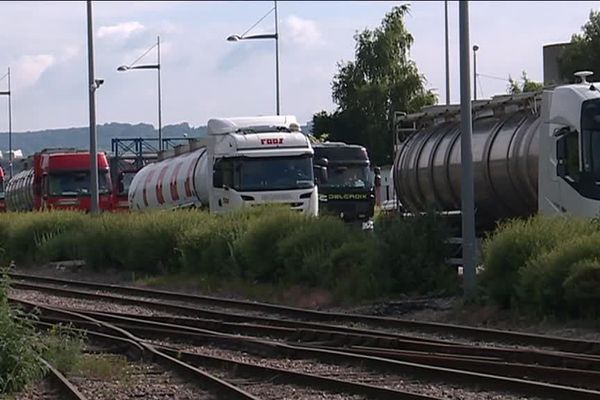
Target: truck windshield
<point>590,128</point>
<point>356,176</point>
<point>274,173</point>
<point>77,183</point>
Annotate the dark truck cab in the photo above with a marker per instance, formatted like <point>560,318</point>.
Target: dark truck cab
<point>343,176</point>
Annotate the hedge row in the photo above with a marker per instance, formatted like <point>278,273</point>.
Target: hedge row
<point>263,245</point>
<point>545,266</point>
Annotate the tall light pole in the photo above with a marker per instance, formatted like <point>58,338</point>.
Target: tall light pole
<point>243,36</point>
<point>447,54</point>
<point>467,185</point>
<point>93,84</point>
<point>156,66</point>
<point>475,48</point>
<point>10,152</point>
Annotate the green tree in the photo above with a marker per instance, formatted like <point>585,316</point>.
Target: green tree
<point>526,85</point>
<point>382,79</point>
<point>584,50</point>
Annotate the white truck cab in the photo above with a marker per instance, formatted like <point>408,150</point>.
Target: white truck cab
<point>569,165</point>
<point>260,160</point>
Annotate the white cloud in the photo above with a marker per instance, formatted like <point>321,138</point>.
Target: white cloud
<point>120,31</point>
<point>31,67</point>
<point>302,32</point>
<point>69,52</point>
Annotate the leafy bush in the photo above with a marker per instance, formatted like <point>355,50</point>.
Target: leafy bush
<point>515,243</point>
<point>353,275</point>
<point>306,252</point>
<point>259,245</point>
<point>411,253</point>
<point>267,245</point>
<point>582,289</point>
<point>541,287</point>
<point>20,347</point>
<point>28,232</point>
<point>211,248</point>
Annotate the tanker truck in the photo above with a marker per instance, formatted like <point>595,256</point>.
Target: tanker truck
<point>243,161</point>
<point>58,179</point>
<point>532,152</point>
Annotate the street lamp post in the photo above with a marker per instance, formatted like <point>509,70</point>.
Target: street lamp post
<point>10,152</point>
<point>236,38</point>
<point>447,53</point>
<point>466,156</point>
<point>475,48</point>
<point>93,85</point>
<point>156,66</point>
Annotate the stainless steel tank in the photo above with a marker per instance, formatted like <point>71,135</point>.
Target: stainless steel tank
<point>505,161</point>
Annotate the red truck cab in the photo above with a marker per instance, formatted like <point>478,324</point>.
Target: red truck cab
<point>59,179</point>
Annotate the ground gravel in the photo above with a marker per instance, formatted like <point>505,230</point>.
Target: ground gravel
<point>41,390</point>
<point>354,374</point>
<point>138,381</point>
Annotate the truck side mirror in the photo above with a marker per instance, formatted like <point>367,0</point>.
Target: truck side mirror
<point>561,156</point>
<point>322,162</point>
<point>320,174</point>
<point>561,148</point>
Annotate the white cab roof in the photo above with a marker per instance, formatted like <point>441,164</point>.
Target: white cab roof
<point>221,126</point>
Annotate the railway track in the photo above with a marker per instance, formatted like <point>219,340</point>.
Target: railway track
<point>65,389</point>
<point>272,313</point>
<point>532,372</point>
<point>202,368</point>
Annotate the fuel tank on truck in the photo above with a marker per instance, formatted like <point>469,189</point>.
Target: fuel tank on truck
<point>505,143</point>
<point>178,181</point>
<point>19,192</point>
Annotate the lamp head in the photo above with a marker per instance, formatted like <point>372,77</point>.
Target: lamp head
<point>233,38</point>
<point>123,68</point>
<point>475,47</point>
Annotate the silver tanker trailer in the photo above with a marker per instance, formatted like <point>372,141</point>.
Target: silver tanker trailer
<point>532,152</point>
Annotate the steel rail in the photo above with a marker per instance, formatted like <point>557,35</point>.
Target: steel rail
<point>566,360</point>
<point>284,376</point>
<point>212,314</point>
<point>468,378</point>
<point>547,358</point>
<point>275,375</point>
<point>204,379</point>
<point>563,376</point>
<point>559,343</point>
<point>62,384</point>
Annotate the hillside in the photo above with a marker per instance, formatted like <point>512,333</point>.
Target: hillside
<point>32,141</point>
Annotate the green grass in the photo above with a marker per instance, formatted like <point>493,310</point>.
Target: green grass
<point>102,367</point>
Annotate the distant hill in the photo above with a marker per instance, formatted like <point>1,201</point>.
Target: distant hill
<point>32,141</point>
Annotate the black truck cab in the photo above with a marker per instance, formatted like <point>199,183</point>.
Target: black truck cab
<point>345,182</point>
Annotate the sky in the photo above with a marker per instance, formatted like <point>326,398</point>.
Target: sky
<point>204,76</point>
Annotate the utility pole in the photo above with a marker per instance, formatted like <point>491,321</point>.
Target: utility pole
<point>475,48</point>
<point>467,185</point>
<point>10,149</point>
<point>160,141</point>
<point>447,54</point>
<point>277,59</point>
<point>93,85</point>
